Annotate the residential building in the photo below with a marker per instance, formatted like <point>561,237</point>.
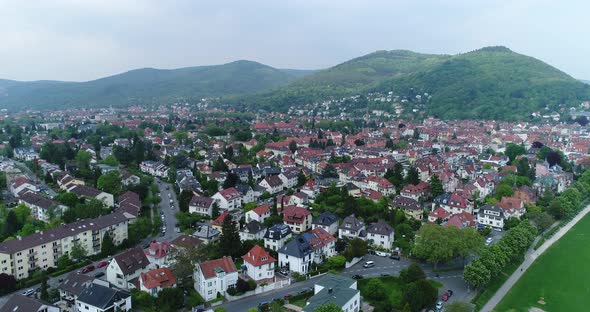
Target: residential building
<point>297,218</point>
<point>260,265</point>
<point>259,213</point>
<point>272,184</point>
<point>41,207</point>
<point>276,235</point>
<point>410,206</point>
<point>99,298</point>
<point>337,289</point>
<point>380,234</point>
<point>155,280</point>
<point>491,215</point>
<point>314,246</point>
<point>18,303</point>
<point>89,192</point>
<point>23,255</point>
<point>201,205</point>
<point>215,276</point>
<point>126,267</point>
<point>71,287</point>
<point>326,220</point>
<point>352,227</point>
<point>228,199</point>
<point>252,230</point>
<point>159,254</point>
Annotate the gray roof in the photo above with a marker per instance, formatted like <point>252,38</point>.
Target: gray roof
<point>298,247</point>
<point>337,289</point>
<point>30,241</point>
<point>18,303</point>
<point>100,296</point>
<point>352,223</point>
<point>326,218</point>
<point>253,227</point>
<point>380,228</point>
<point>278,231</point>
<point>131,260</point>
<point>497,209</point>
<point>75,283</point>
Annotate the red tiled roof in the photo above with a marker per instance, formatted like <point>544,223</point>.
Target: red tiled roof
<point>220,219</point>
<point>225,263</point>
<point>295,214</point>
<point>162,277</point>
<point>262,209</point>
<point>257,256</point>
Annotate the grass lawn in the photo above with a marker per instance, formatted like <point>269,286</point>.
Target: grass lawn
<point>559,276</point>
<point>393,288</point>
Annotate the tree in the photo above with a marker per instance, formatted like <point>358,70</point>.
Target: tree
<point>420,294</point>
<point>7,283</point>
<point>77,252</point>
<point>63,262</point>
<point>229,241</point>
<point>476,274</point>
<point>231,180</point>
<point>436,187</point>
<point>336,262</point>
<point>513,150</point>
<point>12,224</point>
<point>375,290</point>
<point>215,210</point>
<point>432,244</point>
<point>184,200</point>
<point>329,171</point>
<point>170,299</point>
<point>185,261</point>
<point>110,161</point>
<point>504,190</point>
<point>413,273</point>
<point>293,146</point>
<point>413,176</point>
<point>68,199</point>
<point>458,306</point>
<point>44,295</point>
<point>356,248</point>
<point>301,179</point>
<point>107,248</point>
<point>553,158</point>
<point>110,182</point>
<point>328,307</point>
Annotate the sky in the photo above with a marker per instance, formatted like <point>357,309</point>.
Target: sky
<point>88,39</point>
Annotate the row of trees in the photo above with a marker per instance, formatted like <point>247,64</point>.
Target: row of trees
<point>439,244</point>
<point>493,259</point>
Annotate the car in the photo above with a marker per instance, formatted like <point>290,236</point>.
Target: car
<point>368,264</point>
<point>357,276</point>
<point>177,230</point>
<point>28,292</point>
<point>489,240</point>
<point>162,234</point>
<point>102,264</point>
<point>450,292</point>
<point>167,187</point>
<point>445,297</point>
<point>284,272</point>
<point>439,306</point>
<point>372,252</point>
<point>497,229</point>
<point>99,274</point>
<point>395,257</point>
<point>87,269</point>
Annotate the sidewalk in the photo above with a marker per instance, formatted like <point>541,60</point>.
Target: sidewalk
<point>530,257</point>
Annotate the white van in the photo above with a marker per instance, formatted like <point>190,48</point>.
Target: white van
<point>369,264</point>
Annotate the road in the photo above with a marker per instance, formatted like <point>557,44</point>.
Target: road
<point>31,175</point>
<point>383,265</point>
<point>167,194</point>
<point>530,257</point>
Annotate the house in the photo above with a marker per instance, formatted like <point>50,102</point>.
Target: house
<point>201,205</point>
<point>130,203</point>
<point>228,199</point>
<point>380,185</point>
<point>259,213</point>
<point>299,199</point>
<point>352,227</point>
<point>415,191</point>
<point>215,276</point>
<point>71,286</point>
<point>461,220</point>
<point>126,267</point>
<point>297,218</point>
<point>491,215</point>
<point>155,280</point>
<point>89,192</point>
<point>513,207</point>
<point>185,241</point>
<point>99,298</point>
<point>18,302</point>
<point>410,206</point>
<point>252,230</point>
<point>289,178</point>
<point>129,179</point>
<point>276,236</point>
<point>247,193</point>
<point>272,184</point>
<point>21,183</point>
<point>439,214</point>
<point>326,220</point>
<point>322,243</point>
<point>337,289</point>
<point>260,265</point>
<point>206,233</point>
<point>380,234</point>
<point>311,189</point>
<point>41,207</point>
<point>314,246</point>
<point>159,254</point>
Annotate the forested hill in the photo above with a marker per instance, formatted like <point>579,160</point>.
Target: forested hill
<point>147,86</point>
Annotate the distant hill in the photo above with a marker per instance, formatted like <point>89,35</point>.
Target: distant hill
<point>585,81</point>
<point>147,86</point>
<point>490,83</point>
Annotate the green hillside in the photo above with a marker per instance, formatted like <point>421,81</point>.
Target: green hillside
<point>147,86</point>
<point>490,83</point>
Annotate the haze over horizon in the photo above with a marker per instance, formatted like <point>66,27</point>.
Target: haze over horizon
<point>85,40</point>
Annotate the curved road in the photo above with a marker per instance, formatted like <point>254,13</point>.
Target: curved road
<point>530,257</point>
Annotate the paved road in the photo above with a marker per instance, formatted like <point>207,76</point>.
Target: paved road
<point>383,265</point>
<point>167,194</point>
<point>530,257</point>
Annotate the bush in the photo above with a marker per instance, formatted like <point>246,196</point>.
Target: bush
<point>252,285</point>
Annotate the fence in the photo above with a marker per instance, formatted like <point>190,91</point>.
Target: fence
<point>260,289</point>
<point>352,262</point>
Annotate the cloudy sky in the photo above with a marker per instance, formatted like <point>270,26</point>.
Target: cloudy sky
<point>88,39</point>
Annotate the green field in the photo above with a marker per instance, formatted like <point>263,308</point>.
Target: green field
<point>560,277</point>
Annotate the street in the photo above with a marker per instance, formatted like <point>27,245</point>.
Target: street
<point>383,265</point>
<point>167,194</point>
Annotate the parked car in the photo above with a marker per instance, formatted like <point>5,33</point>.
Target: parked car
<point>357,276</point>
<point>87,269</point>
<point>395,257</point>
<point>99,274</point>
<point>445,297</point>
<point>369,264</point>
<point>439,306</point>
<point>28,292</point>
<point>497,229</point>
<point>450,292</point>
<point>102,264</point>
<point>284,272</point>
<point>489,241</point>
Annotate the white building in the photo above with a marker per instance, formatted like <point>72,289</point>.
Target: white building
<point>201,205</point>
<point>276,236</point>
<point>127,266</point>
<point>491,215</point>
<point>259,213</point>
<point>259,264</point>
<point>336,289</point>
<point>215,276</point>
<point>155,280</point>
<point>99,298</point>
<point>380,234</point>
<point>228,199</point>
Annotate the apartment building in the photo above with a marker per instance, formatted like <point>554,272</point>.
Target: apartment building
<point>23,255</point>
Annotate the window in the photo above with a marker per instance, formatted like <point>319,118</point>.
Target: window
<point>209,292</point>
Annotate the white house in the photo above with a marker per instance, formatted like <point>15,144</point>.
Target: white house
<point>328,221</point>
<point>127,266</point>
<point>336,289</point>
<point>259,213</point>
<point>159,254</point>
<point>491,215</point>
<point>314,246</point>
<point>352,227</point>
<point>272,184</point>
<point>380,234</point>
<point>259,264</point>
<point>228,199</point>
<point>201,205</point>
<point>252,230</point>
<point>155,280</point>
<point>276,236</point>
<point>99,298</point>
<point>215,276</point>
<point>289,178</point>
